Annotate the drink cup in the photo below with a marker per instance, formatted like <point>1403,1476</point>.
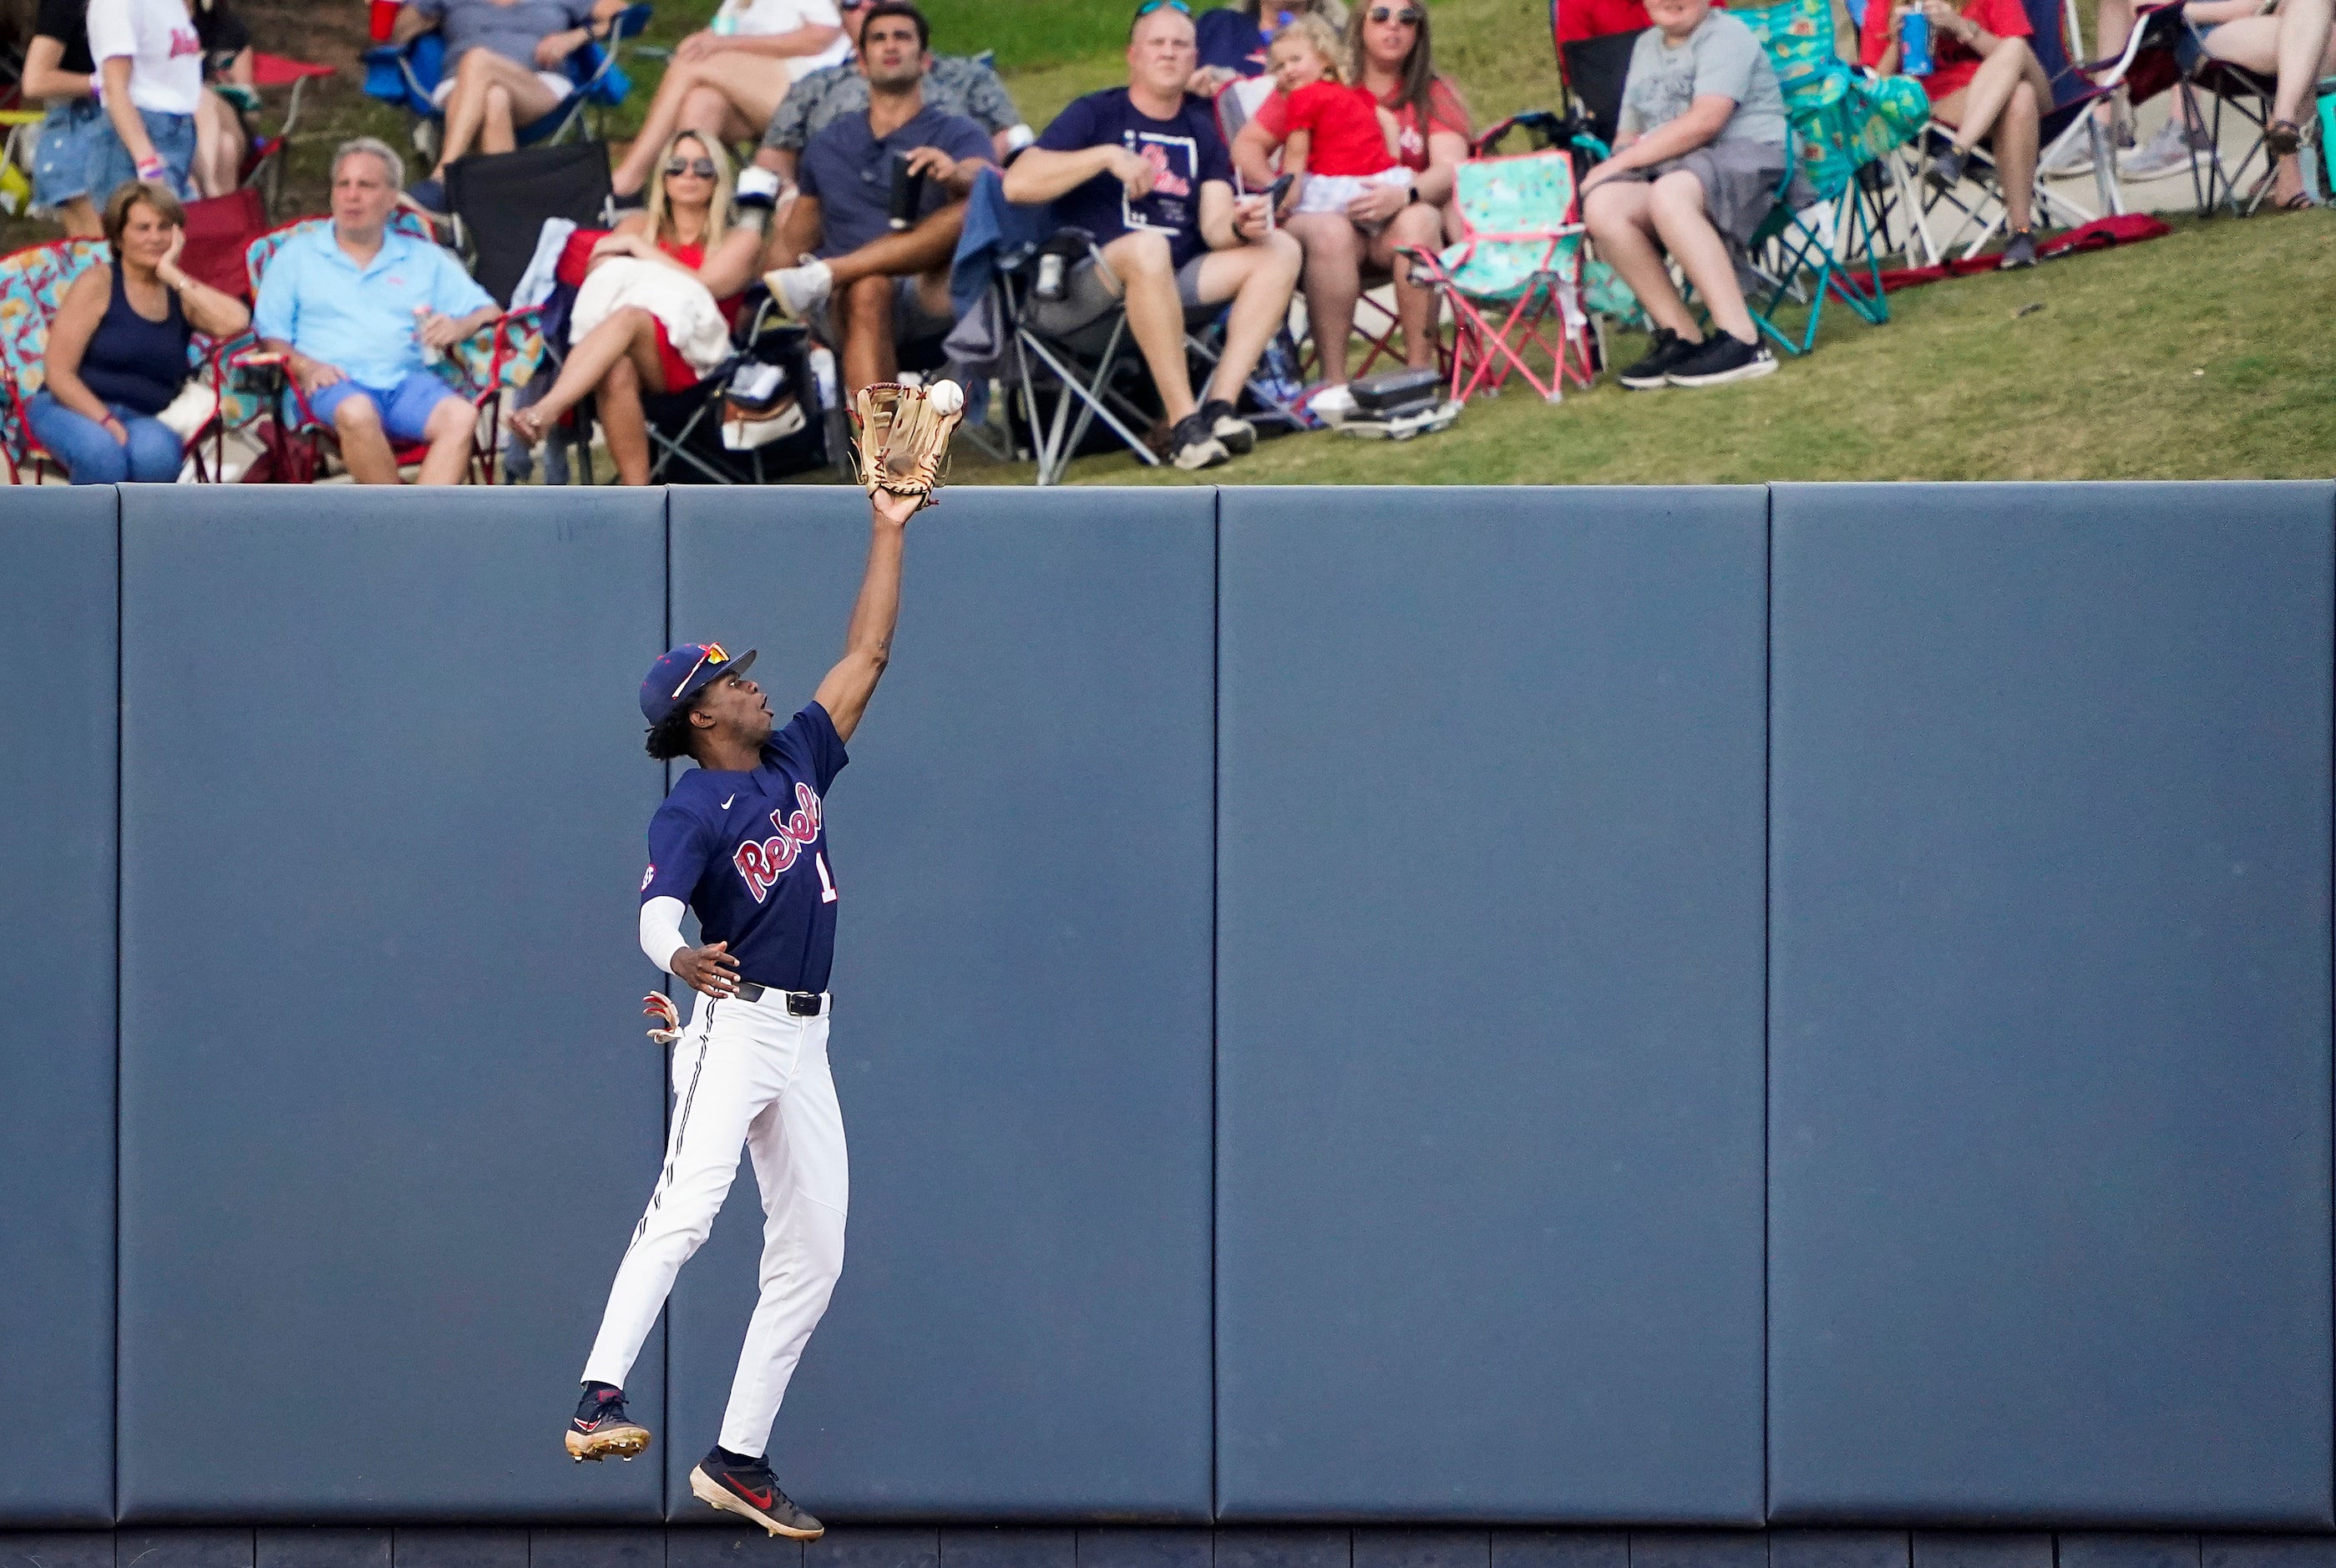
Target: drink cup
<point>1915,43</point>
<point>907,192</point>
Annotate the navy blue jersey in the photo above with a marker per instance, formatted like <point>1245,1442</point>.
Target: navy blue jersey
<point>748,852</point>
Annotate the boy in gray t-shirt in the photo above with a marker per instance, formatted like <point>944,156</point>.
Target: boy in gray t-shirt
<point>1720,58</point>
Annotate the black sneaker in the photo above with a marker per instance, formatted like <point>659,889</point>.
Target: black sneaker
<point>1238,435</point>
<point>2019,251</point>
<point>1720,359</point>
<point>750,1491</point>
<point>601,1427</point>
<point>1947,168</point>
<point>1193,445</point>
<point>1664,350</point>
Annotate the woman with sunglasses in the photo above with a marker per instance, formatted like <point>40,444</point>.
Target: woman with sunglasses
<point>1390,53</point>
<point>631,354</point>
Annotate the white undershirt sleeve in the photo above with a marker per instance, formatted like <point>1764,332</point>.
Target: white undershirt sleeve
<point>661,936</point>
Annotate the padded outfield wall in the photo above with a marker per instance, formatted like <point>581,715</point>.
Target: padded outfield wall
<point>1438,1028</point>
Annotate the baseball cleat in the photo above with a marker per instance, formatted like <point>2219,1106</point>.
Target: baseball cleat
<point>602,1429</point>
<point>751,1492</point>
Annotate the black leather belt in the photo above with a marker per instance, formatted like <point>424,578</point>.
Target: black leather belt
<point>800,1003</point>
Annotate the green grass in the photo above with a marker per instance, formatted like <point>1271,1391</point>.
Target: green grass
<point>2207,355</point>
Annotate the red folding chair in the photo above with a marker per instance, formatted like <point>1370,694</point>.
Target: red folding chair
<point>264,159</point>
<point>296,444</point>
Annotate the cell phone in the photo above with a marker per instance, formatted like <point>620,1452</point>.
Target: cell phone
<point>1277,190</point>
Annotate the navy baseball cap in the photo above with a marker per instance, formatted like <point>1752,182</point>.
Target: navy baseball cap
<point>683,673</point>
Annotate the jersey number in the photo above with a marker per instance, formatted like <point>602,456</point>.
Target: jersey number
<point>826,883</point>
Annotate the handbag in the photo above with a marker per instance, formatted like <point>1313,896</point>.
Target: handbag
<point>191,411</point>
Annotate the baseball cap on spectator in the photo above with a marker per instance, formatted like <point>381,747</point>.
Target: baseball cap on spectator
<point>682,672</point>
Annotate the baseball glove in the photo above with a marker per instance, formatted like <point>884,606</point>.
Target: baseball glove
<point>901,435</point>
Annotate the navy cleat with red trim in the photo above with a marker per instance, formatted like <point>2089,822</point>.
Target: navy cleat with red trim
<point>601,1427</point>
<point>746,1487</point>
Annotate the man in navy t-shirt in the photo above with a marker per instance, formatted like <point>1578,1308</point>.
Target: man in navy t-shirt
<point>1144,168</point>
<point>879,286</point>
<point>742,839</point>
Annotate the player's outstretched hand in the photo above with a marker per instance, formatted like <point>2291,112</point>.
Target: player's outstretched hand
<point>709,968</point>
<point>895,508</point>
<point>657,1004</point>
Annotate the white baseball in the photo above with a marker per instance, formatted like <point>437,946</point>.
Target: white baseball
<point>946,396</point>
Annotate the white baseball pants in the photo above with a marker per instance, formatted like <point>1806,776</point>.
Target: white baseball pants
<point>745,1072</point>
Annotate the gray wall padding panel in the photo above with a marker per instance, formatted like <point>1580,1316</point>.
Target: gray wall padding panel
<point>1489,1005</point>
<point>2050,1071</point>
<point>382,1059</point>
<point>57,646</point>
<point>1020,1032</point>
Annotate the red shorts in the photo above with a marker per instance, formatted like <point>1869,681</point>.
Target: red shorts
<point>679,375</point>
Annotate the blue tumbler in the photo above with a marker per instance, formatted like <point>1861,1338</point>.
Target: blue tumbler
<point>1915,43</point>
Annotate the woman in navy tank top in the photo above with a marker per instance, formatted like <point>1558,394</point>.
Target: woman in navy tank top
<point>118,347</point>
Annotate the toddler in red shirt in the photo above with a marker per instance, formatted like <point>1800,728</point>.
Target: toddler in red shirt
<point>1340,143</point>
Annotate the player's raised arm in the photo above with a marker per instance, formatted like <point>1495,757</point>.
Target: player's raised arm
<point>868,643</point>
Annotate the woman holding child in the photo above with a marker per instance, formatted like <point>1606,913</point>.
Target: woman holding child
<point>1388,56</point>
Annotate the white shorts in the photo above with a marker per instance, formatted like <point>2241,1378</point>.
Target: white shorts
<point>555,79</point>
<point>1332,192</point>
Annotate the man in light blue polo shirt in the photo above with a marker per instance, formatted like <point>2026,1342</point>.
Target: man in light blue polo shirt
<point>351,305</point>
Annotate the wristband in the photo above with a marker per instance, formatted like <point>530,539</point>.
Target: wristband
<point>152,169</point>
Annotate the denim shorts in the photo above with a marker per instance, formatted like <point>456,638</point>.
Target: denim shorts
<point>405,408</point>
<point>66,151</point>
<point>111,165</point>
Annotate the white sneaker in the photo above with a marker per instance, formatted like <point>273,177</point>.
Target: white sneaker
<point>1332,405</point>
<point>2074,158</point>
<point>2167,152</point>
<point>799,290</point>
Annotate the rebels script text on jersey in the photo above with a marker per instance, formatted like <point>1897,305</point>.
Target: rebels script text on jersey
<point>748,852</point>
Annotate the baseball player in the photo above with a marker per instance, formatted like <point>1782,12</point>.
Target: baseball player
<point>742,841</point>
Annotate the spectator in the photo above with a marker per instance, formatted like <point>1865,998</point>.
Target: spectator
<point>880,287</point>
<point>728,85</point>
<point>1339,144</point>
<point>1694,172</point>
<point>1233,43</point>
<point>118,347</point>
<point>1142,169</point>
<point>351,305</point>
<point>219,136</point>
<point>150,63</point>
<point>1986,83</point>
<point>2293,44</point>
<point>58,70</point>
<point>953,85</point>
<point>504,68</point>
<point>1390,52</point>
<point>629,352</point>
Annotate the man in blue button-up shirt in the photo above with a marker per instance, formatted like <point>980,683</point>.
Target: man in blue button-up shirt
<point>351,305</point>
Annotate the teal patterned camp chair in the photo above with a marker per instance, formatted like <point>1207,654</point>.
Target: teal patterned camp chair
<point>33,283</point>
<point>1519,260</point>
<point>1841,123</point>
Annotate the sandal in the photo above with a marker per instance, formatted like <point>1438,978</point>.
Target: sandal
<point>2299,202</point>
<point>2282,139</point>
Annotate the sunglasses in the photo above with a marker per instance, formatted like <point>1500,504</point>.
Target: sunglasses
<point>1149,6</point>
<point>701,167</point>
<point>712,653</point>
<point>1409,15</point>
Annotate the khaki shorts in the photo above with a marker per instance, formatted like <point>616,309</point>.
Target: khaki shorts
<point>1086,297</point>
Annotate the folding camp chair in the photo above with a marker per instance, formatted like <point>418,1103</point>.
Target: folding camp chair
<point>2248,97</point>
<point>1840,123</point>
<point>33,283</point>
<point>1519,260</point>
<point>264,155</point>
<point>2069,116</point>
<point>500,202</point>
<point>502,354</point>
<point>407,75</point>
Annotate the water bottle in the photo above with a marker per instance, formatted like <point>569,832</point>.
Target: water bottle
<point>822,376</point>
<point>1915,43</point>
<point>430,355</point>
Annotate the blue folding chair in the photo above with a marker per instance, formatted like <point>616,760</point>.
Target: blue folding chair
<point>407,74</point>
